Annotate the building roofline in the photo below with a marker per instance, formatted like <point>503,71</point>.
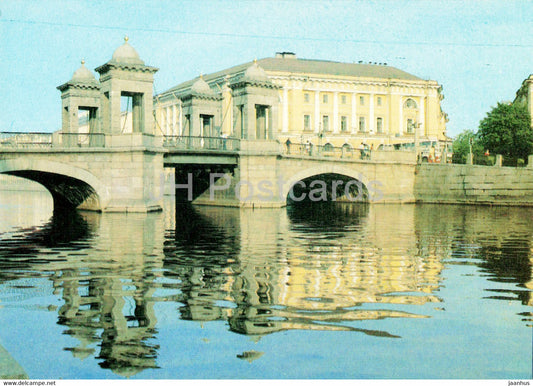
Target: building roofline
<point>314,67</point>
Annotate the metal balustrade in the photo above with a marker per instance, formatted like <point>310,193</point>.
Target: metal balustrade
<point>311,150</point>
<point>201,143</point>
<point>23,140</point>
<point>26,140</point>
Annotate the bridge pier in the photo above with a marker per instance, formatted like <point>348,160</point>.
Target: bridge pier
<point>134,182</point>
<point>254,182</point>
<point>116,179</point>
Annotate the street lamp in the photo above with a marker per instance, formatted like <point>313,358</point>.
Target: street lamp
<point>320,134</point>
<point>416,127</point>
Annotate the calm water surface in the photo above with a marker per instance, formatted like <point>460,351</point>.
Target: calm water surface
<point>322,291</point>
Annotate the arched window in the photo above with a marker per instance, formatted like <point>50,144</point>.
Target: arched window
<point>410,104</point>
<point>328,147</point>
<point>347,147</point>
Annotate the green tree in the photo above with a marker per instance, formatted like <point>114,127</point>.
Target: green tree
<point>461,146</point>
<point>506,130</point>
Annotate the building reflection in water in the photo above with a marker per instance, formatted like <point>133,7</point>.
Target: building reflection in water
<point>109,297</point>
<point>322,268</point>
<point>297,268</point>
<point>105,268</point>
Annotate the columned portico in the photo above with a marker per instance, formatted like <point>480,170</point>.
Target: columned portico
<point>400,115</point>
<point>335,112</point>
<point>317,111</point>
<point>285,107</point>
<point>354,113</point>
<point>371,119</point>
<point>422,116</point>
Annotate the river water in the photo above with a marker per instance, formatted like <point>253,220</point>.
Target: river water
<point>311,291</point>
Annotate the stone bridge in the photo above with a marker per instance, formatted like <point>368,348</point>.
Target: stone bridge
<point>102,166</point>
<point>128,173</point>
<point>122,178</point>
<point>263,174</point>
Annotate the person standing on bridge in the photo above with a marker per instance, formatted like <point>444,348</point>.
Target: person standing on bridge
<point>224,140</point>
<point>288,144</point>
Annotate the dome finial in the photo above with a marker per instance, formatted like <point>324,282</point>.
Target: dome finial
<point>256,73</point>
<point>82,62</point>
<point>126,54</point>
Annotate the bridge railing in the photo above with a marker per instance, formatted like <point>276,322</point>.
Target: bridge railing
<point>22,140</point>
<point>201,143</point>
<point>342,152</point>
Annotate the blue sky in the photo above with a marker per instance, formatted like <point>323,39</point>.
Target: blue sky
<point>480,51</point>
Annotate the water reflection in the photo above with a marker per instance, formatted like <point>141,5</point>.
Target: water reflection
<point>29,247</point>
<point>295,269</point>
<point>109,296</point>
<point>105,269</point>
<point>497,239</point>
<point>326,267</point>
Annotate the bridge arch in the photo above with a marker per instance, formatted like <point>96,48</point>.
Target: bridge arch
<point>328,169</point>
<point>70,186</point>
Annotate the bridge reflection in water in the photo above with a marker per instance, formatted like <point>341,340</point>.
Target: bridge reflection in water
<point>317,279</point>
<point>259,271</point>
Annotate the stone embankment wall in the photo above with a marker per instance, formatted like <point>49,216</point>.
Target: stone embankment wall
<point>473,184</point>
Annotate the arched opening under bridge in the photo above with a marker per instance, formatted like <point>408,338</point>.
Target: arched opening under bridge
<point>70,187</point>
<point>329,187</point>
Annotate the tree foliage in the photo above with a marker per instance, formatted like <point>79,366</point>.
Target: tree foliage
<point>506,130</point>
<point>461,146</point>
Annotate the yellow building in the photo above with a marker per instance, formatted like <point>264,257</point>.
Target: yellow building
<point>525,95</point>
<point>324,102</point>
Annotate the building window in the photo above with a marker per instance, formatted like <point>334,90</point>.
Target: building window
<point>325,123</point>
<point>379,125</point>
<point>347,148</point>
<point>362,100</point>
<point>329,147</point>
<point>325,98</point>
<point>307,122</point>
<point>344,123</point>
<point>306,97</point>
<point>410,104</point>
<point>343,99</point>
<point>362,124</point>
<point>410,126</point>
<point>379,101</point>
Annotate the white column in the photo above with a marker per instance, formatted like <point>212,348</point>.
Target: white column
<point>317,111</point>
<point>335,112</point>
<point>285,102</point>
<point>354,113</point>
<point>400,115</point>
<point>174,120</point>
<point>371,118</point>
<point>422,116</point>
